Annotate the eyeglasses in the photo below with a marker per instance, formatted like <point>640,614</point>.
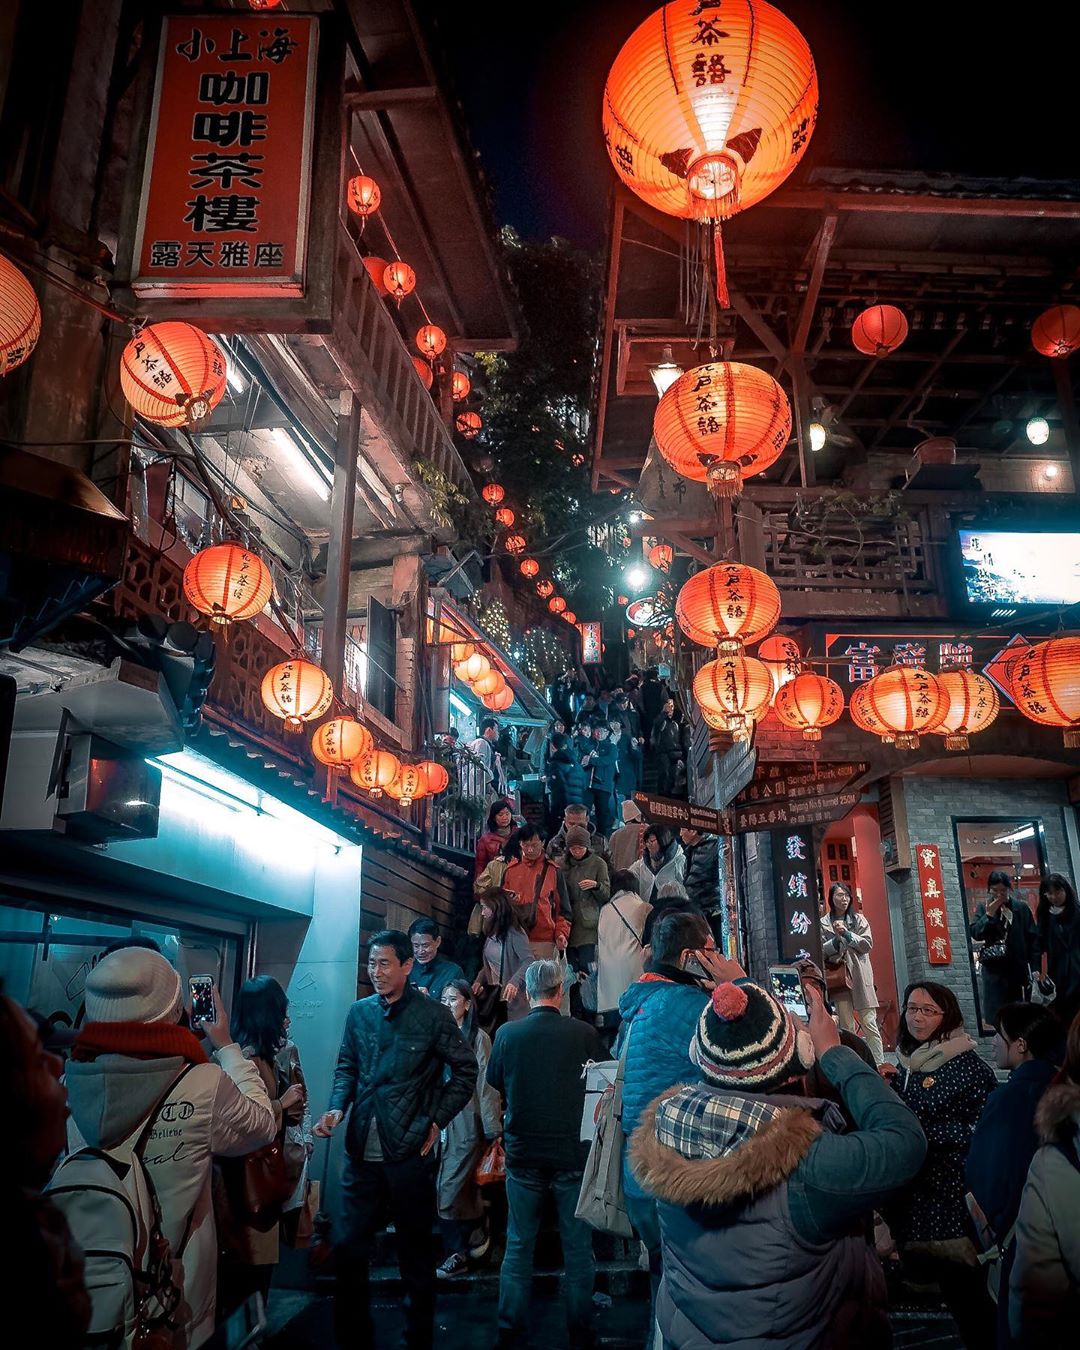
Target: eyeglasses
<point>920,1011</point>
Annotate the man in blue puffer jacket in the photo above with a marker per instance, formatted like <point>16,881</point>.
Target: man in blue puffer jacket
<point>659,1016</point>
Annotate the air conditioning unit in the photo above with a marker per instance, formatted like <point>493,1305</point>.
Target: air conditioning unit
<point>893,822</point>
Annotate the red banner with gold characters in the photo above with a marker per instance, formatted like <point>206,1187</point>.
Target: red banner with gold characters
<point>592,643</point>
<point>224,208</point>
<point>935,918</point>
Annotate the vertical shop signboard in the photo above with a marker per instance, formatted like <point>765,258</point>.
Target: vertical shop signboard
<point>226,187</point>
<point>592,643</point>
<point>795,879</point>
<point>932,893</point>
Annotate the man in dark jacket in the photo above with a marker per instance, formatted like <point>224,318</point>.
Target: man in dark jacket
<point>431,971</point>
<point>701,872</point>
<point>404,1071</point>
<point>602,766</point>
<point>667,747</point>
<point>567,781</point>
<point>537,1065</point>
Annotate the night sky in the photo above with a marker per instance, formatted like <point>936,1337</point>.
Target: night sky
<point>954,86</point>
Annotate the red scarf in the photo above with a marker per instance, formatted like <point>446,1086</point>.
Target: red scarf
<point>140,1040</point>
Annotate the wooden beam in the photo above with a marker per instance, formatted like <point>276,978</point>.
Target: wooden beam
<point>807,475</point>
<point>374,100</point>
<point>824,243</point>
<point>687,545</point>
<point>896,203</point>
<point>1067,407</point>
<point>339,552</point>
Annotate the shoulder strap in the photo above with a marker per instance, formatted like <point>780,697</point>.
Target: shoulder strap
<point>541,877</point>
<point>628,927</point>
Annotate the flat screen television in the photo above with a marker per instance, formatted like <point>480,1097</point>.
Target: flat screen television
<point>1020,567</point>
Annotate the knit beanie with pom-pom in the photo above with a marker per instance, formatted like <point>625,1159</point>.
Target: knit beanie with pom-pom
<point>745,1039</point>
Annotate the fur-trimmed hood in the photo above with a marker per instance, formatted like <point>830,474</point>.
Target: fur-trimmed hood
<point>1057,1118</point>
<point>732,1159</point>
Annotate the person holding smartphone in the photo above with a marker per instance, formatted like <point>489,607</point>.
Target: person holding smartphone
<point>588,887</point>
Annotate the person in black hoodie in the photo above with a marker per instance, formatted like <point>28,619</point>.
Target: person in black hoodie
<point>567,780</point>
<point>667,747</point>
<point>1058,921</point>
<point>1010,945</point>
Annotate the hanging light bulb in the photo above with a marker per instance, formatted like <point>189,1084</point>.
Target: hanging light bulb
<point>665,372</point>
<point>1038,430</point>
<point>818,436</point>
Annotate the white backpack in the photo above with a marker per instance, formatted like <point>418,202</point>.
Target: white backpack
<point>111,1207</point>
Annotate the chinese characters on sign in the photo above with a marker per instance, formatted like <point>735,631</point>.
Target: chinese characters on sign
<point>932,892</point>
<point>680,814</point>
<point>592,648</point>
<point>225,194</point>
<point>795,880</point>
<point>857,658</point>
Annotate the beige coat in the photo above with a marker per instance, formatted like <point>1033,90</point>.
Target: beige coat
<point>854,946</point>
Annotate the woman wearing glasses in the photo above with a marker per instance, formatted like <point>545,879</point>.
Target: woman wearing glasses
<point>943,1080</point>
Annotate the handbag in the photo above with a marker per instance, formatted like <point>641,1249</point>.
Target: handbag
<point>837,977</point>
<point>261,1185</point>
<point>993,951</point>
<point>602,1198</point>
<point>492,1166</point>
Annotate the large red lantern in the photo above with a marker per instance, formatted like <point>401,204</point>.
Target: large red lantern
<point>708,109</point>
<point>408,785</point>
<point>424,371</point>
<point>809,702</point>
<point>721,422</point>
<point>545,588</point>
<point>864,717</point>
<point>529,567</point>
<point>499,701</point>
<point>569,616</point>
<point>363,196</point>
<point>1056,332</point>
<point>435,776</point>
<point>460,386</point>
<point>493,493</point>
<point>20,317</point>
<point>735,689</point>
<point>376,270</point>
<point>227,582</point>
<point>729,603</point>
<point>908,701</point>
<point>879,330</point>
<point>1046,686</point>
<point>514,543</point>
<point>469,425</point>
<point>783,658</point>
<point>375,771</point>
<point>172,374</point>
<point>399,280</point>
<point>297,691</point>
<point>431,341</point>
<point>661,556</point>
<point>340,741</point>
<point>556,604</point>
<point>973,705</point>
<point>504,516</point>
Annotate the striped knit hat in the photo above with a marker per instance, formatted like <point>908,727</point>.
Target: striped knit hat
<point>746,1039</point>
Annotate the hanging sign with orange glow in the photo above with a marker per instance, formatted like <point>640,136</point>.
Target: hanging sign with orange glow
<point>224,209</point>
<point>932,893</point>
<point>592,643</point>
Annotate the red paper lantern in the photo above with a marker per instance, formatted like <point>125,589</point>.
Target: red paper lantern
<point>783,658</point>
<point>631,634</point>
<point>623,600</point>
<point>569,616</point>
<point>468,424</point>
<point>973,705</point>
<point>515,543</point>
<point>20,317</point>
<point>472,668</point>
<point>172,374</point>
<point>340,741</point>
<point>424,371</point>
<point>460,386</point>
<point>545,588</point>
<point>375,771</point>
<point>500,700</point>
<point>431,341</point>
<point>660,557</point>
<point>228,583</point>
<point>1056,332</point>
<point>488,683</point>
<point>1046,686</point>
<point>399,280</point>
<point>408,785</point>
<point>461,651</point>
<point>908,701</point>
<point>556,604</point>
<point>809,702</point>
<point>529,567</point>
<point>879,330</point>
<point>363,195</point>
<point>435,776</point>
<point>722,422</point>
<point>376,270</point>
<point>297,691</point>
<point>735,689</point>
<point>728,603</point>
<point>706,112</point>
<point>504,516</point>
<point>864,717</point>
<point>493,494</point>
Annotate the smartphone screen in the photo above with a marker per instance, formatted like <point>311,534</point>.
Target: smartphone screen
<point>202,998</point>
<point>786,986</point>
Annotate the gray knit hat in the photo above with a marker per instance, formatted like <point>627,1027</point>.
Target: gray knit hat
<point>133,984</point>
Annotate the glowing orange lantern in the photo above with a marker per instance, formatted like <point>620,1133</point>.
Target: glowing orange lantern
<point>879,330</point>
<point>864,717</point>
<point>1056,332</point>
<point>493,493</point>
<point>20,317</point>
<point>375,771</point>
<point>431,341</point>
<point>399,280</point>
<point>488,683</point>
<point>973,705</point>
<point>460,386</point>
<point>705,112</point>
<point>424,371</point>
<point>341,740</point>
<point>363,196</point>
<point>472,667</point>
<point>1046,686</point>
<point>504,516</point>
<point>461,651</point>
<point>556,604</point>
<point>376,270</point>
<point>660,557</point>
<point>907,700</point>
<point>727,604</point>
<point>409,784</point>
<point>297,691</point>
<point>172,374</point>
<point>545,588</point>
<point>783,658</point>
<point>227,582</point>
<point>529,567</point>
<point>809,702</point>
<point>721,422</point>
<point>623,600</point>
<point>435,776</point>
<point>515,543</point>
<point>631,634</point>
<point>468,424</point>
<point>500,700</point>
<point>733,688</point>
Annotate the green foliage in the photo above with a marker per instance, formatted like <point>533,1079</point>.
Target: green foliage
<point>450,506</point>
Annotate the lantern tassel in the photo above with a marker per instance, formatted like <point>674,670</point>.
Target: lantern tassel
<point>721,267</point>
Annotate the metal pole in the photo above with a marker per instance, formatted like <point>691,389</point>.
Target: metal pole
<point>339,550</point>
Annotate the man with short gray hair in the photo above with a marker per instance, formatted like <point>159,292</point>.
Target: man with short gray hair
<point>536,1064</point>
